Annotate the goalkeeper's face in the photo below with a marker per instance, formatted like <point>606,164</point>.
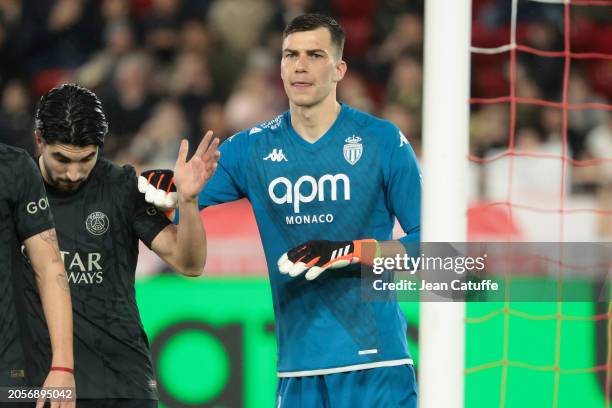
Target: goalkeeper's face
<point>66,167</point>
<point>310,67</point>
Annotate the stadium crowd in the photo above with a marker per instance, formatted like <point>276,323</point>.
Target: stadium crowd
<point>166,69</point>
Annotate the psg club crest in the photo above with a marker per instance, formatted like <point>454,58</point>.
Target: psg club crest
<point>353,149</point>
<point>97,223</point>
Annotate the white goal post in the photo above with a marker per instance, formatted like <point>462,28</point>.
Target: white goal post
<point>446,92</point>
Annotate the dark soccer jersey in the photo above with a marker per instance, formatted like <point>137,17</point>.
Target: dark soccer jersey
<point>24,212</point>
<point>99,227</point>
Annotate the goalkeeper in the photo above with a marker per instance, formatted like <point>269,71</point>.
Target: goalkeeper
<point>325,180</point>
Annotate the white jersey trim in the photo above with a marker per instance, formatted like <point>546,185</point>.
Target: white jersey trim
<point>355,367</point>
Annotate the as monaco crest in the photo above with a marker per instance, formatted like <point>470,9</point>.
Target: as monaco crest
<point>353,149</point>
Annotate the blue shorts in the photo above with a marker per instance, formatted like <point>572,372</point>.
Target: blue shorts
<point>372,388</point>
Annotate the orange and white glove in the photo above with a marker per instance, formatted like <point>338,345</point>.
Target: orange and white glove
<point>317,256</point>
<point>159,189</point>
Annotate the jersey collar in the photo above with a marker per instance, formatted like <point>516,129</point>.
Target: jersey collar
<point>323,139</point>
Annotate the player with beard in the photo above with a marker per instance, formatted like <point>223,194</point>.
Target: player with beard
<point>101,217</point>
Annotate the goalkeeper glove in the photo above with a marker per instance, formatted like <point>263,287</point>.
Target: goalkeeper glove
<point>318,256</point>
<point>158,188</point>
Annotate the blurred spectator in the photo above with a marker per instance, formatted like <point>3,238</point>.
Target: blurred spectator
<point>16,123</point>
<point>528,115</point>
<point>212,117</point>
<point>256,98</point>
<point>10,47</point>
<point>387,11</point>
<point>195,37</point>
<point>526,86</point>
<point>129,101</point>
<point>60,33</point>
<point>239,23</point>
<point>115,10</point>
<point>546,71</point>
<point>353,91</point>
<point>599,146</point>
<point>287,10</point>
<point>529,139</point>
<point>405,38</point>
<point>406,83</point>
<point>192,86</point>
<point>489,129</point>
<point>119,41</point>
<point>157,141</point>
<point>162,25</point>
<point>534,176</point>
<point>581,121</point>
<point>551,120</point>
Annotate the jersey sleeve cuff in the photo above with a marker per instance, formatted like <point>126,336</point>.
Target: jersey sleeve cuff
<point>153,232</point>
<point>35,230</point>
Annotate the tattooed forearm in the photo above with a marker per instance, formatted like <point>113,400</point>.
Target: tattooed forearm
<point>62,281</point>
<point>54,260</point>
<point>50,237</point>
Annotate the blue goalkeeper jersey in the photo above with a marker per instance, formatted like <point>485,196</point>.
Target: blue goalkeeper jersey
<point>351,184</point>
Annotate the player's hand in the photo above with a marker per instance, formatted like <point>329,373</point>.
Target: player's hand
<point>158,188</point>
<point>59,380</point>
<point>191,176</point>
<point>318,256</point>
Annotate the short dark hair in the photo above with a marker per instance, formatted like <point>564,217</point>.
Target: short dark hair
<point>312,21</point>
<point>70,114</point>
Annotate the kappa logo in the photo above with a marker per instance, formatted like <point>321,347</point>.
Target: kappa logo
<point>97,223</point>
<point>403,140</point>
<point>277,155</point>
<point>353,150</point>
